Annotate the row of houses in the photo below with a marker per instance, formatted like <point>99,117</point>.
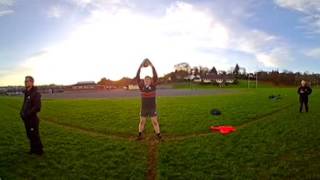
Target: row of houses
<point>218,79</point>
<point>18,90</point>
<point>52,89</point>
<point>212,79</point>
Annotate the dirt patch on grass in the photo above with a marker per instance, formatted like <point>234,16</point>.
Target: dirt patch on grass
<point>88,131</point>
<point>152,159</point>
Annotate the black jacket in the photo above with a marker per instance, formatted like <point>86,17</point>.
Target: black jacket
<point>304,91</point>
<point>31,103</point>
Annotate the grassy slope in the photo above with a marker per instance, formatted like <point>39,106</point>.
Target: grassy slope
<point>282,145</point>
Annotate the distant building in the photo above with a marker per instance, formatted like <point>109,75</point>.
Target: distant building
<point>12,90</point>
<point>18,90</point>
<point>219,79</point>
<point>85,85</point>
<point>192,77</point>
<point>3,90</point>
<point>133,87</point>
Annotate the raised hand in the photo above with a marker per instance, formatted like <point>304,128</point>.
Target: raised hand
<point>146,62</point>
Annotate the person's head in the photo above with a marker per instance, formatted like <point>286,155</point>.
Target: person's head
<point>303,83</point>
<point>147,80</point>
<point>28,81</point>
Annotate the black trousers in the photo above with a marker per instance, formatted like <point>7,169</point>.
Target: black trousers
<point>304,101</point>
<point>32,128</point>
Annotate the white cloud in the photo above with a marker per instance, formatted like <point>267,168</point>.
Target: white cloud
<point>252,41</point>
<point>300,5</point>
<point>108,40</point>
<point>100,4</point>
<point>310,9</point>
<point>275,58</point>
<point>6,12</point>
<point>5,7</point>
<point>113,42</point>
<point>313,22</point>
<point>270,50</point>
<point>6,2</point>
<point>314,53</point>
<point>55,12</point>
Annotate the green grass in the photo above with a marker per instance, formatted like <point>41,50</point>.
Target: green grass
<point>281,146</point>
<point>241,84</point>
<point>273,139</point>
<point>69,154</point>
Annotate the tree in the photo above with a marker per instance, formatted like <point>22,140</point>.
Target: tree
<point>106,82</point>
<point>181,71</point>
<point>213,70</point>
<point>236,70</point>
<point>203,72</point>
<point>182,67</point>
<point>196,71</point>
<point>222,72</point>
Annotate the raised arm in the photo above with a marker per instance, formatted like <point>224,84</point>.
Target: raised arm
<point>138,79</point>
<point>154,72</point>
<point>155,75</point>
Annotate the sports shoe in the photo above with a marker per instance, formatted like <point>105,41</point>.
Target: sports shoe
<point>158,137</point>
<point>140,137</point>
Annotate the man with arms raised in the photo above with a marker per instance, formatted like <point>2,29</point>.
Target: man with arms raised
<point>148,99</point>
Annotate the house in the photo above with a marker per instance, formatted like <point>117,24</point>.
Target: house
<point>85,85</point>
<point>192,77</point>
<point>219,79</point>
<point>133,87</point>
<point>229,79</point>
<point>14,90</point>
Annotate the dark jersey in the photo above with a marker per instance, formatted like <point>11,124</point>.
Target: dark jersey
<point>304,91</point>
<point>148,96</point>
<point>148,93</point>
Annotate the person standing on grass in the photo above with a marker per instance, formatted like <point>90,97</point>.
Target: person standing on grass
<point>148,100</point>
<point>304,91</point>
<point>30,107</point>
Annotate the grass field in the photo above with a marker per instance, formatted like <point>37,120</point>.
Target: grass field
<point>241,84</point>
<point>94,139</point>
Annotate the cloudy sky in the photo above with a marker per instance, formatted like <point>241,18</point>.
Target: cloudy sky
<point>65,41</point>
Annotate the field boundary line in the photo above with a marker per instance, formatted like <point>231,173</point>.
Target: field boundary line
<point>153,149</point>
<point>88,131</point>
<point>169,138</point>
<point>152,158</point>
<point>173,138</point>
<point>259,118</point>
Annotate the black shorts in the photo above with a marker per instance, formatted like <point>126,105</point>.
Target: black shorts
<point>148,112</point>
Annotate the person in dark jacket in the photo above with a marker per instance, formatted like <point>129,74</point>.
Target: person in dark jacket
<point>31,106</point>
<point>148,99</point>
<point>304,91</point>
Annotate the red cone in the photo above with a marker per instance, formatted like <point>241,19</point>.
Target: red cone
<point>223,129</point>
